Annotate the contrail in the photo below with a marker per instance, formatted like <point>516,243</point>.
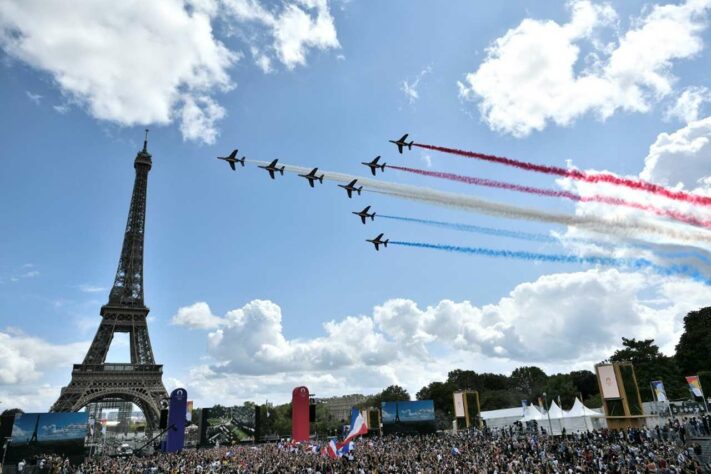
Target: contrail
<point>679,216</point>
<point>632,263</point>
<point>626,227</point>
<point>544,238</point>
<point>636,184</point>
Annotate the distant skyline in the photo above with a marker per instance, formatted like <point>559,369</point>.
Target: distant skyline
<point>257,285</point>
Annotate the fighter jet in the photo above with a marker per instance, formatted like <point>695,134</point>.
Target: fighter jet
<point>364,214</point>
<point>312,177</point>
<point>272,167</point>
<point>401,143</point>
<point>350,187</point>
<point>232,159</point>
<point>378,242</point>
<point>373,165</point>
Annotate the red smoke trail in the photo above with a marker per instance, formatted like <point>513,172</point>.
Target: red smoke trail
<point>680,216</point>
<point>636,184</point>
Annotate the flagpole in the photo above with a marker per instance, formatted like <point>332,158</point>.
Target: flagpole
<point>703,397</point>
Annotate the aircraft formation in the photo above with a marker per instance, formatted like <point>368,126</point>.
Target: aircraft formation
<point>313,177</point>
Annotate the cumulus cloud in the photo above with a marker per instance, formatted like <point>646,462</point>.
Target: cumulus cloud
<point>584,313</point>
<point>196,316</point>
<point>687,106</point>
<point>294,29</point>
<point>127,62</point>
<point>25,358</point>
<point>533,74</point>
<point>682,157</point>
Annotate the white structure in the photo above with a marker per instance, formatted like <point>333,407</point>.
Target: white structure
<point>578,418</point>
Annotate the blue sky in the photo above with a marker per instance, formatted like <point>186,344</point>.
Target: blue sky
<point>256,286</point>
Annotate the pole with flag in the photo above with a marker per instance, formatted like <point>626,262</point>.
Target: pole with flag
<point>660,394</point>
<point>696,390</point>
<point>358,427</point>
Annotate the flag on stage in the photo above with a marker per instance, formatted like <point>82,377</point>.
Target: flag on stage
<point>659,393</point>
<point>695,385</point>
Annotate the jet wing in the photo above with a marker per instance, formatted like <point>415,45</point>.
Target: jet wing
<point>362,218</point>
<point>271,173</point>
<point>233,154</point>
<point>232,165</point>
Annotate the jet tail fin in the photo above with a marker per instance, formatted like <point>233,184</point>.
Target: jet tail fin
<point>281,170</point>
<point>320,179</point>
<point>385,243</point>
<point>359,190</point>
<point>372,217</point>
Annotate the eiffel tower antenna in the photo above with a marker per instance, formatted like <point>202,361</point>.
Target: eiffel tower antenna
<point>139,381</point>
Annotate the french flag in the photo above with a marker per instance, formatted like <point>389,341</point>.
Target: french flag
<point>358,427</point>
<point>332,450</point>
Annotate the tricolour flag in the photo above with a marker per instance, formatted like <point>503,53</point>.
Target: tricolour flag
<point>358,427</point>
<point>659,393</point>
<point>695,385</point>
<point>332,450</point>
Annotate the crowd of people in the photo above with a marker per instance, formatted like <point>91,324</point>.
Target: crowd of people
<point>662,449</point>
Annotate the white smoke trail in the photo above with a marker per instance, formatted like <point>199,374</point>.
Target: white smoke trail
<point>626,228</point>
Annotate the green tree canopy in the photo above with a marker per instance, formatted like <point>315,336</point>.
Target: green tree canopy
<point>530,381</point>
<point>692,351</point>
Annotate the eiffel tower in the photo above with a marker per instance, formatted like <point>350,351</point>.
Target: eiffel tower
<point>140,381</point>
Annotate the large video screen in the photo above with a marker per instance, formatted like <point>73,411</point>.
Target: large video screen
<point>408,416</point>
<point>59,433</point>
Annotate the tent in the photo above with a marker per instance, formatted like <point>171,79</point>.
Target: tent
<point>531,413</point>
<point>581,418</point>
<point>502,417</point>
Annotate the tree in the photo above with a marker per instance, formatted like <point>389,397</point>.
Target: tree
<point>650,364</point>
<point>530,381</point>
<point>585,383</point>
<point>692,351</point>
<point>561,385</point>
<point>394,393</point>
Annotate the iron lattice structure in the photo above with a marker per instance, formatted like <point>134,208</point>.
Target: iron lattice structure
<point>139,382</point>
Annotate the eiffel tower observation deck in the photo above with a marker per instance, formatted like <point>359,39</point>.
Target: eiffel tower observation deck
<point>139,381</point>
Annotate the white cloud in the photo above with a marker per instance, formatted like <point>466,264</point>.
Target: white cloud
<point>87,288</point>
<point>532,76</point>
<point>127,62</point>
<point>25,358</point>
<point>35,98</point>
<point>199,115</point>
<point>560,321</point>
<point>682,157</point>
<point>196,316</point>
<point>688,105</point>
<point>411,89</point>
<point>297,27</point>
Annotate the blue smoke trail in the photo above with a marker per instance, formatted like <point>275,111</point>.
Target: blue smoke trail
<point>533,237</point>
<point>632,263</point>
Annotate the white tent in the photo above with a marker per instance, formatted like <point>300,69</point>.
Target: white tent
<point>555,411</point>
<point>502,417</point>
<point>531,413</point>
<point>581,418</point>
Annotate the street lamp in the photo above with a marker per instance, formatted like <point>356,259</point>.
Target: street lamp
<point>548,412</point>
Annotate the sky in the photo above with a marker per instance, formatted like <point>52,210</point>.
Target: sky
<point>256,286</point>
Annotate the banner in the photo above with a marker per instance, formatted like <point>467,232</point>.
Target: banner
<point>189,411</point>
<point>176,420</point>
<point>695,385</point>
<point>608,381</point>
<point>459,405</point>
<point>660,394</point>
<point>524,404</point>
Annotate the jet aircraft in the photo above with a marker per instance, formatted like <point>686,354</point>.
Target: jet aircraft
<point>364,214</point>
<point>378,241</point>
<point>401,143</point>
<point>272,167</point>
<point>232,159</point>
<point>312,177</point>
<point>350,187</point>
<point>373,165</point>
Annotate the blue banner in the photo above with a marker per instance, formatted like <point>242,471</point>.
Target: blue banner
<point>176,420</point>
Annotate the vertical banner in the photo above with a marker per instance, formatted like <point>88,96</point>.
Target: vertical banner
<point>608,381</point>
<point>695,385</point>
<point>176,420</point>
<point>459,411</point>
<point>189,411</point>
<point>300,427</point>
<point>524,404</point>
<point>660,394</point>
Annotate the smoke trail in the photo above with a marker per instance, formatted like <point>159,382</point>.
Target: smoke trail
<point>680,216</point>
<point>636,184</point>
<point>544,238</point>
<point>626,227</point>
<point>632,263</point>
